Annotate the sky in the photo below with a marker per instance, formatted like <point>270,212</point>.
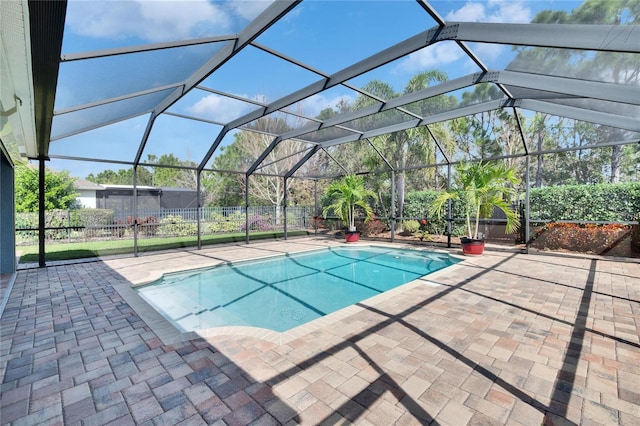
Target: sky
<point>326,35</point>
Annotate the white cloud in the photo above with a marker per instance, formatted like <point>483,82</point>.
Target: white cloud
<point>489,52</point>
<point>509,11</point>
<point>316,103</point>
<point>435,56</point>
<point>470,12</point>
<point>149,20</point>
<point>218,108</point>
<point>249,9</point>
<point>505,11</point>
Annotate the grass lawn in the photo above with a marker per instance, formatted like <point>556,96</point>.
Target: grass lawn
<point>67,251</point>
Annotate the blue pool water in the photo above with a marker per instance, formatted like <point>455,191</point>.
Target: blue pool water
<point>283,292</point>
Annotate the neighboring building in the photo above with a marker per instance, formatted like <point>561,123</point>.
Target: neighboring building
<point>86,193</point>
<point>120,197</point>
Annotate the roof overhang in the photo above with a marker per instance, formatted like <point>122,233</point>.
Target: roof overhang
<point>17,123</point>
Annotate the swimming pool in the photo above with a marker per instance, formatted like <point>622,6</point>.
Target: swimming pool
<point>282,292</point>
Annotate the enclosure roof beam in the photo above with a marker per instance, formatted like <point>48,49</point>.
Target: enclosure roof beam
<point>445,116</point>
<point>570,86</point>
<point>580,148</point>
<point>435,140</point>
<point>604,118</point>
<point>447,86</point>
<point>440,20</point>
<point>167,166</point>
<point>380,154</point>
<point>144,48</point>
<point>88,159</point>
<point>522,137</point>
<point>97,126</point>
<point>264,155</point>
<point>303,160</point>
<point>592,37</point>
<point>344,169</point>
<point>189,117</point>
<point>213,147</point>
<point>145,138</point>
<point>522,154</point>
<point>603,38</point>
<point>266,19</point>
<point>397,51</point>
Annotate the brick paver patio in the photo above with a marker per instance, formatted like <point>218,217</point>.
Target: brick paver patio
<point>505,338</point>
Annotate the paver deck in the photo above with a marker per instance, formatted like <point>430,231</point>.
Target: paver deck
<point>506,338</point>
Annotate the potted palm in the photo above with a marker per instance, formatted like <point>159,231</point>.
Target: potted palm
<point>346,197</point>
<point>480,187</point>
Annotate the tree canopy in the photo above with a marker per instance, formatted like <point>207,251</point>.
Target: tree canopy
<point>58,187</point>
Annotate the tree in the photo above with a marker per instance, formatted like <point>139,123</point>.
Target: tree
<point>58,188</point>
<point>266,184</point>
<point>480,187</point>
<point>345,195</point>
<point>404,148</point>
<point>174,172</point>
<point>122,177</point>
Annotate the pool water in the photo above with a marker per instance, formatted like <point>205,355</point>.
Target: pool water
<point>283,292</point>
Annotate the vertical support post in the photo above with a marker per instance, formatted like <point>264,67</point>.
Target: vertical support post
<point>449,210</point>
<point>315,207</point>
<point>526,204</point>
<point>393,206</point>
<point>198,209</point>
<point>135,211</point>
<point>41,208</point>
<point>7,215</point>
<point>284,208</point>
<point>246,208</point>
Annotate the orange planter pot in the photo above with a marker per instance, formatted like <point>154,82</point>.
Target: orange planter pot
<point>472,246</point>
<point>352,237</point>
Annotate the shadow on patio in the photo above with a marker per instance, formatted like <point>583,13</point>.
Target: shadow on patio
<point>505,338</point>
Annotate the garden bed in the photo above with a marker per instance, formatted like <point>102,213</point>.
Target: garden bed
<point>606,240</point>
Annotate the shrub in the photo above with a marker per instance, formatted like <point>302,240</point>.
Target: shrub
<point>411,226</point>
<point>219,223</point>
<point>176,226</point>
<point>417,205</point>
<point>149,226</point>
<point>317,220</point>
<point>257,223</point>
<point>373,227</point>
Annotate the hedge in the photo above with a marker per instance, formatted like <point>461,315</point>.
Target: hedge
<point>601,202</point>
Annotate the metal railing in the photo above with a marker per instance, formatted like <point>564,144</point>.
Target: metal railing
<point>100,224</point>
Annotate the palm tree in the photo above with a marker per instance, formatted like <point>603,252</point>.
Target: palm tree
<point>403,148</point>
<point>347,194</point>
<point>481,187</point>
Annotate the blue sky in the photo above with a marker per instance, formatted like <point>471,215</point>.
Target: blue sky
<point>327,35</point>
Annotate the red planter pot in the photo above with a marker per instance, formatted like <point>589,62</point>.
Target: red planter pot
<point>472,246</point>
<point>352,237</point>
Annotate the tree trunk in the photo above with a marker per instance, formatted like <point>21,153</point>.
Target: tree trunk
<point>540,169</point>
<point>616,157</point>
<point>400,195</point>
